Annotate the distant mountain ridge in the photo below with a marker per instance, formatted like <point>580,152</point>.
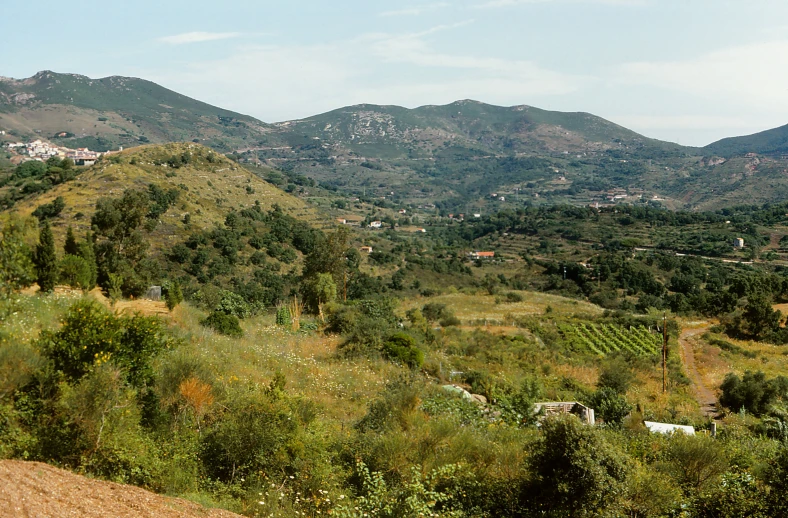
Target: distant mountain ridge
<point>456,155</point>
<point>115,111</point>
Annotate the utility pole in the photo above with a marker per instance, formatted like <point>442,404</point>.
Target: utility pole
<point>664,352</point>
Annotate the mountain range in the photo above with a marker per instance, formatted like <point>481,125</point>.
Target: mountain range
<point>456,156</point>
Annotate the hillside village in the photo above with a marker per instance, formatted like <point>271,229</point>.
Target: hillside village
<point>43,151</point>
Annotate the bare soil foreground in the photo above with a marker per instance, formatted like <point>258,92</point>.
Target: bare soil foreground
<point>33,489</point>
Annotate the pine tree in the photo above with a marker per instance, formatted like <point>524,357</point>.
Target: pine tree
<point>174,295</point>
<point>71,247</point>
<point>46,260</point>
<point>87,253</point>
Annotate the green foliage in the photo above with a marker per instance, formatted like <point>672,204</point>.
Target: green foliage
<point>91,335</point>
<point>776,475</point>
<point>173,295</point>
<point>695,461</point>
<point>401,347</point>
<point>282,316</point>
<point>616,375</point>
<point>610,406</point>
<point>76,272</point>
<point>363,323</point>
<point>737,494</point>
<point>50,210</point>
<point>434,311</point>
<point>753,392</point>
<point>234,305</point>
<point>104,412</point>
<point>577,472</point>
<point>121,248</point>
<point>430,494</point>
<point>16,265</point>
<point>115,282</point>
<point>223,323</point>
<point>70,247</point>
<point>46,260</point>
<point>254,433</point>
<point>319,290</point>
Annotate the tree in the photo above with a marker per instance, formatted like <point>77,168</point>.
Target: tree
<point>174,296</point>
<point>121,248</point>
<point>75,272</point>
<point>576,472</point>
<point>71,247</point>
<point>46,260</point>
<point>87,252</point>
<point>319,290</point>
<point>329,256</point>
<point>16,266</point>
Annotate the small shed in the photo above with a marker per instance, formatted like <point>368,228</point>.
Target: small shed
<point>153,293</point>
<point>566,407</point>
<point>738,242</point>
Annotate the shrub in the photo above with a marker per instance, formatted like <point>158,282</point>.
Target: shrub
<point>174,295</point>
<point>401,347</point>
<point>434,311</point>
<point>253,432</point>
<point>233,304</point>
<point>282,315</point>
<point>449,320</point>
<point>223,323</point>
<point>610,406</point>
<point>616,375</point>
<point>753,392</point>
<point>695,461</point>
<point>91,334</point>
<point>577,473</point>
<point>75,272</point>
<point>513,297</point>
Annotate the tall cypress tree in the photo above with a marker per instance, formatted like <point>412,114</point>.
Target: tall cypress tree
<point>71,247</point>
<point>46,260</point>
<point>87,253</point>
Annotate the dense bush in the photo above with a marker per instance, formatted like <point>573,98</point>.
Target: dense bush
<point>223,323</point>
<point>90,333</point>
<point>753,392</point>
<point>401,347</point>
<point>76,272</point>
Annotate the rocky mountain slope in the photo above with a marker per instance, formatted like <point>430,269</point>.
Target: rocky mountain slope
<point>455,156</point>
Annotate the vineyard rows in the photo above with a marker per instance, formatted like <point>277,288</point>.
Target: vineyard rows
<point>604,339</point>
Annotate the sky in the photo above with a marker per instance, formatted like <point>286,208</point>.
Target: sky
<point>687,71</point>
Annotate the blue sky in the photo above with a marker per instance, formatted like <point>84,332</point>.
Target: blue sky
<point>690,71</point>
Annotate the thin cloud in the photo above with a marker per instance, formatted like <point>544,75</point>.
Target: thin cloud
<point>402,69</point>
<point>197,37</point>
<point>414,11</point>
<point>751,75</point>
<point>493,4</point>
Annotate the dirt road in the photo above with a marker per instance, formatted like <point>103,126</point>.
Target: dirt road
<point>703,393</point>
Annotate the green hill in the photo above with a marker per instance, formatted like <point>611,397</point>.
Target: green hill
<point>116,111</point>
<point>455,157</point>
<point>208,186</point>
<point>769,142</point>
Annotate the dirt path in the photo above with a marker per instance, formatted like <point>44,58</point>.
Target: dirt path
<point>703,394</point>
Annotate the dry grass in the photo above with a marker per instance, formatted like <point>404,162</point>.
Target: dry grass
<point>342,388</point>
<point>213,189</point>
<point>475,308</point>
